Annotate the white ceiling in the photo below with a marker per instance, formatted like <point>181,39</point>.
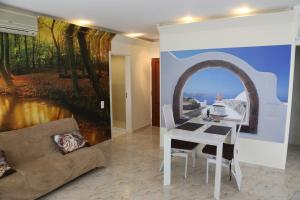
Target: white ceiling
<point>140,15</point>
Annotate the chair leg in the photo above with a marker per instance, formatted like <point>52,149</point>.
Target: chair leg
<point>194,154</point>
<point>207,171</point>
<point>230,174</point>
<point>161,166</point>
<point>186,166</point>
<point>239,187</point>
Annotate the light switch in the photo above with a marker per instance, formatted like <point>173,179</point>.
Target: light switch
<point>102,104</point>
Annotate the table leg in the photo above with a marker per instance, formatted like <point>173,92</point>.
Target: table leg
<point>167,159</point>
<point>218,171</point>
<point>233,134</point>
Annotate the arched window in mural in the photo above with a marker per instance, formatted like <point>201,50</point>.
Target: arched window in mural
<point>253,102</point>
<point>211,86</point>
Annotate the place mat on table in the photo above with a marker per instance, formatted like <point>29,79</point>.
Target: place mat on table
<point>189,126</point>
<point>219,130</point>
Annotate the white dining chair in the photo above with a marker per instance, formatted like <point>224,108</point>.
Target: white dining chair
<point>230,152</point>
<point>178,148</point>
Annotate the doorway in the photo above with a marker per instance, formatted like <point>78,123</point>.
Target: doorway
<point>155,88</point>
<point>120,94</point>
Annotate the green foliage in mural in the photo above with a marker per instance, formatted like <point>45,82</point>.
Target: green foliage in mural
<point>64,63</point>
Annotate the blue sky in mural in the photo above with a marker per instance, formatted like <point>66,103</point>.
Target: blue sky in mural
<point>274,59</point>
<point>206,84</point>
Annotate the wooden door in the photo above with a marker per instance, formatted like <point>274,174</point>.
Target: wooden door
<point>155,92</point>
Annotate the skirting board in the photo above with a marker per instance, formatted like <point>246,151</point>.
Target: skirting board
<point>269,154</point>
<point>141,128</point>
<point>117,132</point>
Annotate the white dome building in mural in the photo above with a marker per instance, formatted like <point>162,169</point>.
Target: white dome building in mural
<point>243,96</point>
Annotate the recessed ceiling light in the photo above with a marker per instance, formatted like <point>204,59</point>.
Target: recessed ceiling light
<point>242,10</point>
<point>134,35</point>
<point>82,22</point>
<point>189,19</point>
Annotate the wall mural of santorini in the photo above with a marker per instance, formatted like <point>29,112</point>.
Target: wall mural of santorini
<point>255,79</point>
<point>62,72</point>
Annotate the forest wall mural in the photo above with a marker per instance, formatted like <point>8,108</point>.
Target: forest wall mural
<point>61,72</point>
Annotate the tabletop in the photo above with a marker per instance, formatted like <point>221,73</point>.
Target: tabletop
<point>199,135</point>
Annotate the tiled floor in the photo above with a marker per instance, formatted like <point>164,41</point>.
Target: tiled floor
<point>132,174</point>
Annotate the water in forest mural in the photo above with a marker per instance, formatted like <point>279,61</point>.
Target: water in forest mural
<point>61,72</point>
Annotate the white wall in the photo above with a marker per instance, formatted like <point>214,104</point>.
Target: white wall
<point>140,53</point>
<point>258,30</point>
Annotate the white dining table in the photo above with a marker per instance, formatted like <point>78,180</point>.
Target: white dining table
<point>199,136</point>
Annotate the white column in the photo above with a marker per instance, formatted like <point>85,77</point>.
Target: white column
<point>167,159</point>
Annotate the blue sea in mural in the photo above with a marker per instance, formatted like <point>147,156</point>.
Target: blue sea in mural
<point>209,98</point>
<point>263,58</point>
<point>208,83</point>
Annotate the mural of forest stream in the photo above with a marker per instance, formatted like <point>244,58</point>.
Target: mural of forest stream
<point>18,113</point>
<point>61,72</point>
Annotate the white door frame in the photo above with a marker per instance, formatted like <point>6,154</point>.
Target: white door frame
<point>127,90</point>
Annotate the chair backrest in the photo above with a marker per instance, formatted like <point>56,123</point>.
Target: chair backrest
<point>236,140</point>
<point>168,116</point>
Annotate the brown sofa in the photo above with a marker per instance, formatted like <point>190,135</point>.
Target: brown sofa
<point>40,166</point>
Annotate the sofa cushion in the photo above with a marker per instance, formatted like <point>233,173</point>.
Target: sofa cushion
<point>40,167</point>
<point>27,144</point>
<point>69,142</point>
<point>5,168</point>
<point>37,177</point>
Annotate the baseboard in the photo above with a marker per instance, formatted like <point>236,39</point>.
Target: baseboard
<point>118,129</point>
<point>117,132</point>
<point>141,128</point>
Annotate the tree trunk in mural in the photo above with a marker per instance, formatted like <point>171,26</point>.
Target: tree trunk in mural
<point>33,52</point>
<point>19,46</point>
<point>71,57</point>
<point>26,53</point>
<point>5,75</point>
<point>38,54</point>
<point>1,49</point>
<point>87,62</point>
<point>57,46</point>
<point>6,53</point>
<point>16,42</point>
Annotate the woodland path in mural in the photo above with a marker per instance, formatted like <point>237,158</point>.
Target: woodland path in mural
<point>43,84</point>
<point>63,68</point>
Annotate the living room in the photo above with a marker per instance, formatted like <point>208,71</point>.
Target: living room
<point>98,99</point>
